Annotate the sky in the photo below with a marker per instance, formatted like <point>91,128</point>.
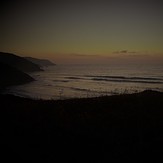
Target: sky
<point>83,30</point>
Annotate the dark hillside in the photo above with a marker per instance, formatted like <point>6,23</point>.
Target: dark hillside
<point>40,62</point>
<point>18,62</point>
<point>105,129</point>
<point>10,76</point>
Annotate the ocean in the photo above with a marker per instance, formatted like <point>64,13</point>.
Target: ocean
<point>83,81</point>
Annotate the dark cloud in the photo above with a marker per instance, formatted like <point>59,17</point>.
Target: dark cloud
<point>125,52</point>
<point>84,55</point>
<point>121,51</point>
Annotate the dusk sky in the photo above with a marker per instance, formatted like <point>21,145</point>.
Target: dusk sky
<point>70,30</point>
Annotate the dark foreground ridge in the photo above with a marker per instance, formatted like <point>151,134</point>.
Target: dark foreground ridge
<point>104,129</point>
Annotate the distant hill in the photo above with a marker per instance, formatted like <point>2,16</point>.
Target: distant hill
<point>18,62</point>
<point>10,76</point>
<point>40,62</point>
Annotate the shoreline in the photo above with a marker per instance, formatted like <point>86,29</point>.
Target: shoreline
<point>8,91</point>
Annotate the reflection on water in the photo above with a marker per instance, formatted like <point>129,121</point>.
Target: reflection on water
<point>69,81</point>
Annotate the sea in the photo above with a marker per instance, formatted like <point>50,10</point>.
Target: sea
<point>83,81</point>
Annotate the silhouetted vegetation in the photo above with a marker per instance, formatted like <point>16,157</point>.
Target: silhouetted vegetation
<point>104,129</point>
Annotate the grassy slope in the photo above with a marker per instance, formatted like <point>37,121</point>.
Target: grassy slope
<point>104,129</point>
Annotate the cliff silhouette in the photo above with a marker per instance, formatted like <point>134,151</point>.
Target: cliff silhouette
<point>14,70</point>
<point>11,76</point>
<point>40,62</point>
<point>18,62</point>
